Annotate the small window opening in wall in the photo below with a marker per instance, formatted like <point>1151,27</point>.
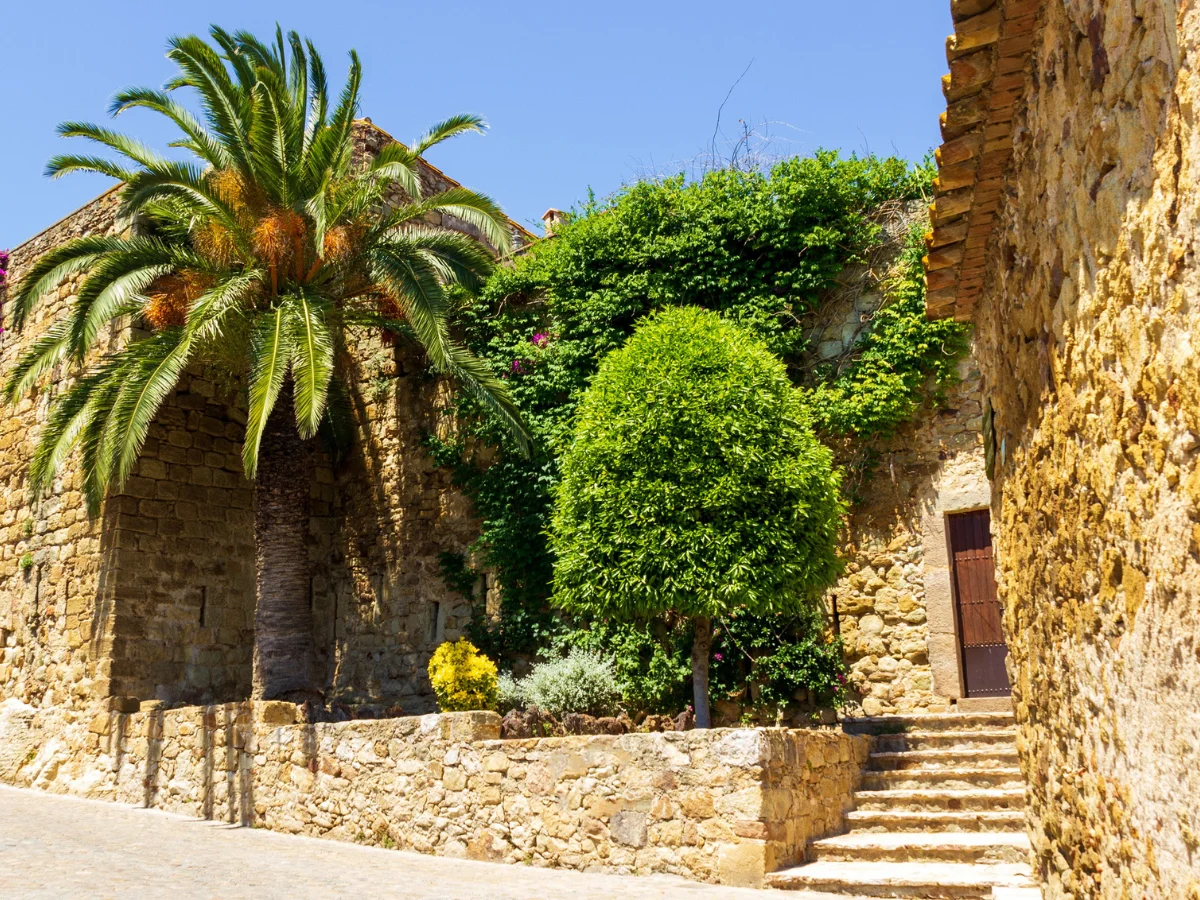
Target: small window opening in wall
<point>203,605</point>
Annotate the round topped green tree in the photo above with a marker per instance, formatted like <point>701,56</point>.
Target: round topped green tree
<point>694,484</point>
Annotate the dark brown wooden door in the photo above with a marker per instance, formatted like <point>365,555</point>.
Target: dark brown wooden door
<point>980,632</point>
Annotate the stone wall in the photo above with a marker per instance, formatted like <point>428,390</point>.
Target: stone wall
<point>51,555</point>
<point>894,605</point>
<point>1087,340</point>
<point>153,600</point>
<point>724,805</point>
<point>181,568</point>
<point>380,602</point>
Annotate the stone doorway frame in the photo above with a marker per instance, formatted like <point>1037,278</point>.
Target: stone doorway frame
<point>945,659</point>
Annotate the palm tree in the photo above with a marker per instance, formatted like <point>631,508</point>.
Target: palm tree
<point>261,257</point>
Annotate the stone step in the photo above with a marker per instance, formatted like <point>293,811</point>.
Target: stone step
<point>978,800</point>
<point>1014,893</point>
<point>944,740</point>
<point>988,757</point>
<point>960,847</point>
<point>878,725</point>
<point>965,777</point>
<point>941,820</point>
<point>927,881</point>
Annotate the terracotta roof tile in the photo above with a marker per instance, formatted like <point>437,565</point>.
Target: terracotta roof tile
<point>988,56</point>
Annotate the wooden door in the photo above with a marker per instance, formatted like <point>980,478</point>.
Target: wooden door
<point>980,632</point>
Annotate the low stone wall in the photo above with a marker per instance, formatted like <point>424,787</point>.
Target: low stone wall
<point>724,805</point>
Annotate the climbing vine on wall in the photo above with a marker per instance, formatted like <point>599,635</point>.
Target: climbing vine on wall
<point>763,249</point>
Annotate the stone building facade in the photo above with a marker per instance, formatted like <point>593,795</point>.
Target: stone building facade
<point>1065,226</point>
<point>895,606</point>
<point>154,599</point>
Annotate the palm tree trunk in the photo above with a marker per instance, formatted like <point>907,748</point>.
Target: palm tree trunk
<point>701,644</point>
<point>284,652</point>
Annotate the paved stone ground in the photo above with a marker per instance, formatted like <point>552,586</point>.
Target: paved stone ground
<point>63,847</point>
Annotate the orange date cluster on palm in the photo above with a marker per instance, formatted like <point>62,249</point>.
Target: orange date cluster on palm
<point>171,297</point>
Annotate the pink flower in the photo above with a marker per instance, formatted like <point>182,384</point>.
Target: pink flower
<point>540,339</point>
<point>718,657</point>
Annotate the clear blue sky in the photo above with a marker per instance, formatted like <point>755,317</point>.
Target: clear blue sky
<point>579,93</point>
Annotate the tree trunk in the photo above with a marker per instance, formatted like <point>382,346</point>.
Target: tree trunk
<point>701,644</point>
<point>284,650</point>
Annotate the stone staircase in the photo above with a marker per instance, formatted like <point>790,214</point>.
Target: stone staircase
<point>940,814</point>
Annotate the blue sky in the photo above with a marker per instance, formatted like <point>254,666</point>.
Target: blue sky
<point>579,93</point>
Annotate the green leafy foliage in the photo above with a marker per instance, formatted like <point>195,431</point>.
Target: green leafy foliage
<point>260,256</point>
<point>651,658</point>
<point>764,660</point>
<point>582,681</point>
<point>694,483</point>
<point>761,248</point>
<point>901,353</point>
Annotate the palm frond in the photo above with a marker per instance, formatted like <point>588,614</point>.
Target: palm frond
<point>457,258</point>
<point>114,140</point>
<point>270,353</point>
<point>37,359</point>
<point>66,163</point>
<point>319,105</point>
<point>448,128</point>
<point>95,465</point>
<point>330,150</point>
<point>199,141</point>
<point>398,164</point>
<point>118,277</point>
<point>227,110</point>
<point>475,209</point>
<point>68,417</point>
<point>148,378</point>
<point>185,183</point>
<point>312,360</point>
<point>412,282</point>
<point>490,392</point>
<point>206,317</point>
<point>52,268</point>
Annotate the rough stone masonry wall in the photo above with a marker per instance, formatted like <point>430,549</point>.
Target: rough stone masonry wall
<point>51,555</point>
<point>182,564</point>
<point>894,605</point>
<point>154,599</point>
<point>1087,334</point>
<point>721,805</point>
<point>378,589</point>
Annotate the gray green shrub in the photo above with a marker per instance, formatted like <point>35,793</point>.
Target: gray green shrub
<point>580,682</point>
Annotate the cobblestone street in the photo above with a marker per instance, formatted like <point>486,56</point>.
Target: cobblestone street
<point>61,847</point>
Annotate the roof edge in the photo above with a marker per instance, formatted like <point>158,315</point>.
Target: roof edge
<point>988,56</point>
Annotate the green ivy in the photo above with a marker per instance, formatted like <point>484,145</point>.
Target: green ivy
<point>764,249</point>
<point>898,357</point>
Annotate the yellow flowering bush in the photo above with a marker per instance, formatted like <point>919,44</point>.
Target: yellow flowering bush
<point>463,678</point>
